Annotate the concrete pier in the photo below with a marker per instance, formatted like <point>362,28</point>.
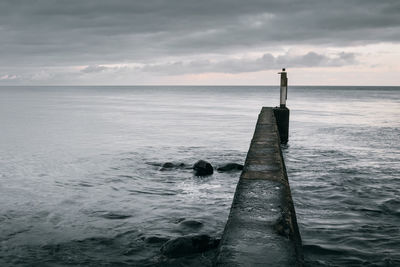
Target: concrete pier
<point>262,228</point>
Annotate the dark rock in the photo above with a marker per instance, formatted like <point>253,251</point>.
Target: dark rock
<point>155,164</point>
<point>230,167</point>
<point>169,166</point>
<point>191,224</point>
<point>203,168</point>
<point>185,245</point>
<point>115,216</point>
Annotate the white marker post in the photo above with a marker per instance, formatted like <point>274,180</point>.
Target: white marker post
<point>284,84</point>
<point>282,112</point>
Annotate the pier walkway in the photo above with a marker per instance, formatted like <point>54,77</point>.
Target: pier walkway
<point>262,228</point>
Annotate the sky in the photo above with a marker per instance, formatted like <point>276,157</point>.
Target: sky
<point>199,42</point>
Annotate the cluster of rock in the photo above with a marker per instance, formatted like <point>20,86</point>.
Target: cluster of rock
<point>202,167</point>
<point>190,244</point>
<point>185,245</point>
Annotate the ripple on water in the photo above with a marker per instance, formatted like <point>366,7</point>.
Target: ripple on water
<point>347,210</point>
<point>337,157</point>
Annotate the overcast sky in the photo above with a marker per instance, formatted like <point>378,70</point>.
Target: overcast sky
<point>232,42</point>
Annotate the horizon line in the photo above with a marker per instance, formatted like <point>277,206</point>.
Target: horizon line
<point>182,85</point>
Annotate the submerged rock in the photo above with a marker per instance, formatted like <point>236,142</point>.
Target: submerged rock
<point>230,167</point>
<point>185,245</point>
<point>191,224</point>
<point>113,215</point>
<point>169,166</point>
<point>203,168</point>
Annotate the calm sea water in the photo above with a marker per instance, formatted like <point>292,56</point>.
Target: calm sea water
<point>80,179</point>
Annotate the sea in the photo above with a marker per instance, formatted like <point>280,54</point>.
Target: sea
<point>82,183</point>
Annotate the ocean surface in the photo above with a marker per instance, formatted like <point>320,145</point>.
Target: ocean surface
<point>81,185</point>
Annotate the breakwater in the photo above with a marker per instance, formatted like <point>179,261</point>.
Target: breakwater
<point>262,227</point>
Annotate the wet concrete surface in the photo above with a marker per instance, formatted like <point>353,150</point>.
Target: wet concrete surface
<point>262,228</point>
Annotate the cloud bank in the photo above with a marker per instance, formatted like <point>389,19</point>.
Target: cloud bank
<point>193,36</point>
<point>266,62</point>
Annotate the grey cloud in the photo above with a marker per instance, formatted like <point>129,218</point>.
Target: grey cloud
<point>266,62</point>
<point>313,59</point>
<point>46,33</point>
<point>111,73</point>
<point>94,69</point>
